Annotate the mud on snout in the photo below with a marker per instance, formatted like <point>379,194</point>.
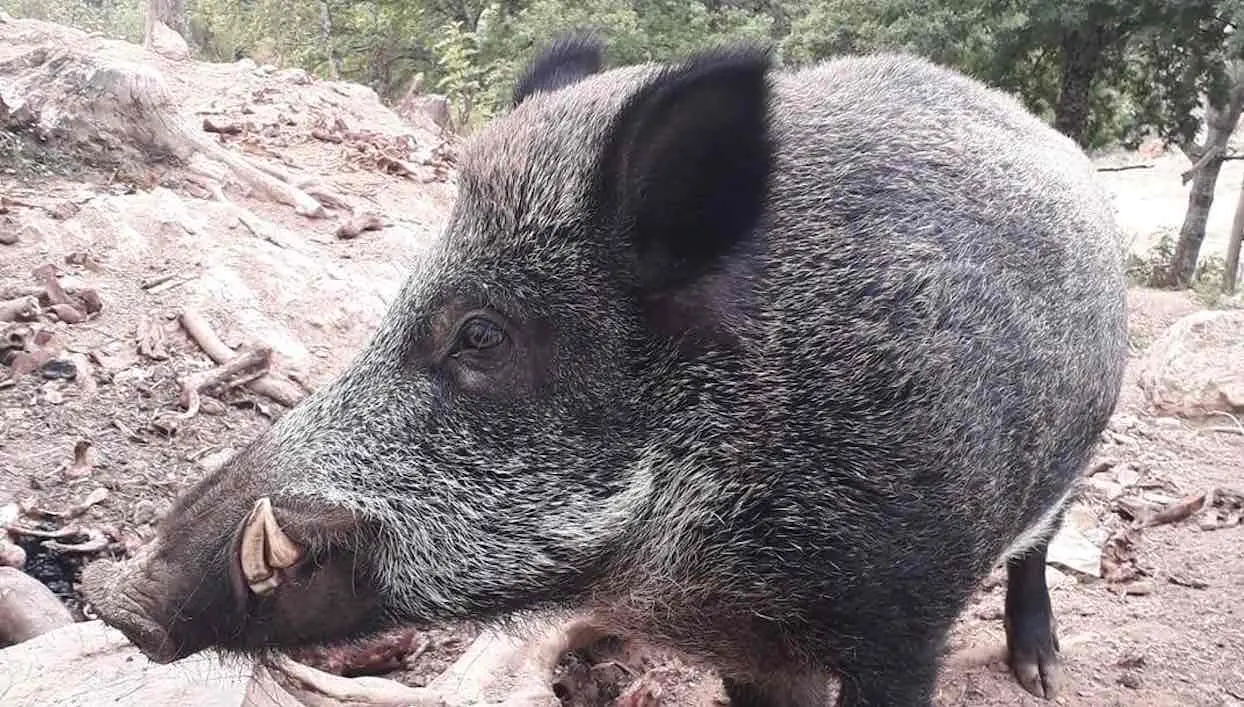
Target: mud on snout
<point>268,576</point>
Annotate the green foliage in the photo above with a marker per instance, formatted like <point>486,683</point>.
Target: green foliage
<point>1102,70</point>
<point>1207,280</point>
<point>1148,271</point>
<point>121,19</point>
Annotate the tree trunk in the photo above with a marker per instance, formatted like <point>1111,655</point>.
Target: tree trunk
<point>1082,58</point>
<point>1220,122</point>
<point>170,12</point>
<point>1233,247</point>
<point>326,37</point>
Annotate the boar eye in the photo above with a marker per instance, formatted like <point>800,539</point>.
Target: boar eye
<point>479,333</point>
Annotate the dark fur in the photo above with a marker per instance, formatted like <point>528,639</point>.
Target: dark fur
<point>790,361</point>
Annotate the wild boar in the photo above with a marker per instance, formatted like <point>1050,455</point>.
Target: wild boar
<point>767,365</point>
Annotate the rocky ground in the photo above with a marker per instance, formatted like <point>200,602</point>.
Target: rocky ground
<point>124,284</point>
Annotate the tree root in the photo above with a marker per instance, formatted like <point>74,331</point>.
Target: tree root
<point>497,670</point>
<point>270,385</point>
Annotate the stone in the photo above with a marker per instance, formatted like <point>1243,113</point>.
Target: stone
<point>1196,368</point>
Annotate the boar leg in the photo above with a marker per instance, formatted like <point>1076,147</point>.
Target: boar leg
<point>1031,635</point>
<point>806,691</point>
<point>899,667</point>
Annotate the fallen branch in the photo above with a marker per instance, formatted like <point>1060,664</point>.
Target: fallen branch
<point>249,221</point>
<point>326,197</point>
<point>256,178</point>
<point>496,669</point>
<point>239,370</point>
<point>1175,512</point>
<point>95,542</point>
<point>197,327</point>
<point>298,680</point>
<point>325,136</point>
<point>157,280</point>
<point>1125,168</point>
<point>1236,428</point>
<point>27,608</point>
<point>360,223</point>
<point>77,509</point>
<point>222,128</point>
<point>69,531</point>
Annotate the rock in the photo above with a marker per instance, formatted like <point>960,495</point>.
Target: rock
<point>167,43</point>
<point>27,608</point>
<point>427,111</point>
<point>295,76</point>
<point>1072,547</point>
<point>62,666</point>
<point>1196,367</point>
<point>1055,579</point>
<point>11,555</point>
<point>1128,476</point>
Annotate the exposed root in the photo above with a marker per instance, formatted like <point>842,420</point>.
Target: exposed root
<point>196,326</point>
<point>496,669</point>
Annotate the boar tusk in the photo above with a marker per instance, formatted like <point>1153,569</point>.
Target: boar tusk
<point>265,548</point>
<point>281,551</point>
<point>254,566</point>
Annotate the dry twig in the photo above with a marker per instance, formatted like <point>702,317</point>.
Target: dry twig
<point>239,370</point>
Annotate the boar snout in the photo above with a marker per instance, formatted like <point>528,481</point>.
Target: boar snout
<point>124,596</point>
<point>278,573</point>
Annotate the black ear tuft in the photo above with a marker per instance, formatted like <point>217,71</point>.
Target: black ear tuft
<point>568,59</point>
<point>685,170</point>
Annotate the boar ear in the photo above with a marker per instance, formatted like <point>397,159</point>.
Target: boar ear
<point>685,168</point>
<point>567,60</point>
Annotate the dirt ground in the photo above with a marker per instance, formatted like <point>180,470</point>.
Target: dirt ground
<point>1171,635</point>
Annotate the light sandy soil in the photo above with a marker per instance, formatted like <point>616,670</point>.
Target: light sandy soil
<point>1176,637</point>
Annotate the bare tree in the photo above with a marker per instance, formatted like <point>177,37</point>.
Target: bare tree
<point>326,37</point>
<point>171,13</point>
<point>1221,120</point>
<point>1231,272</point>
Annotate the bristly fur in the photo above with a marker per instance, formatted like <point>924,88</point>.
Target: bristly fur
<point>791,359</point>
<point>564,61</point>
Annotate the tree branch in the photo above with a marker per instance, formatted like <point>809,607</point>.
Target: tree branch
<point>1214,153</point>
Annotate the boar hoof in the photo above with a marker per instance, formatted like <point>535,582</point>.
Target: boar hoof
<point>266,549</point>
<point>1031,633</point>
